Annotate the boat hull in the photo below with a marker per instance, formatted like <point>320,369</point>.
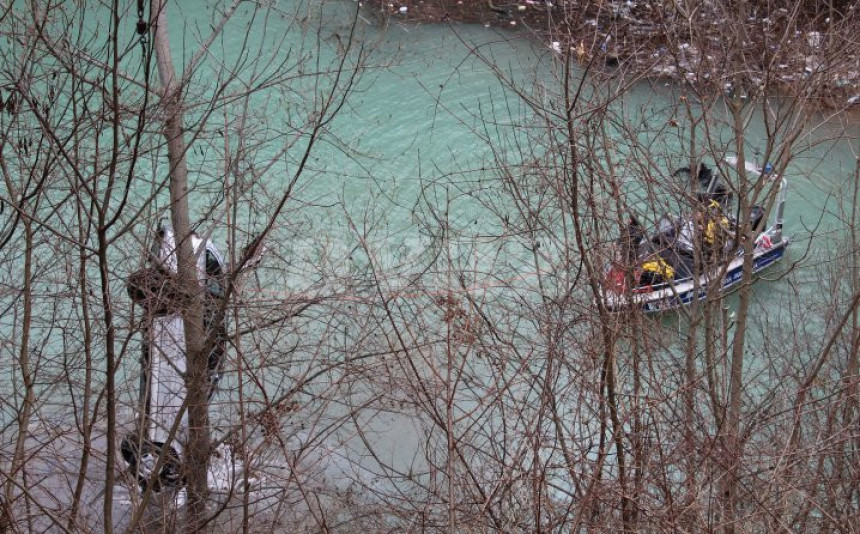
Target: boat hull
<point>673,296</point>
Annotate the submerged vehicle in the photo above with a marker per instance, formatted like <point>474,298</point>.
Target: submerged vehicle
<point>677,263</point>
<point>163,362</point>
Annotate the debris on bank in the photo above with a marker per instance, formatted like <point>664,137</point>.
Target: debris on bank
<point>811,50</point>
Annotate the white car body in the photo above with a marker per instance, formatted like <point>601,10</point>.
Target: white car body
<point>163,365</point>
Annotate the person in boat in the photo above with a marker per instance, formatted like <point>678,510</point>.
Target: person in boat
<point>631,237</point>
<point>626,266</point>
<point>655,271</point>
<point>716,229</point>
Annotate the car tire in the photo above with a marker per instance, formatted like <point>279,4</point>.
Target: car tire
<point>142,457</point>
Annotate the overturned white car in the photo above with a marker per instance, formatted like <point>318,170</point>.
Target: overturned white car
<point>160,431</point>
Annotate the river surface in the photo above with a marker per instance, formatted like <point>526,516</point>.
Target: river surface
<point>410,144</point>
<point>413,136</point>
<point>413,133</point>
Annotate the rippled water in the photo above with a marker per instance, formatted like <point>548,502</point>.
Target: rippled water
<point>410,144</point>
<point>411,130</point>
<point>411,138</point>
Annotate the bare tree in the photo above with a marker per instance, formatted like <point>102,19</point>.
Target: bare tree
<point>527,403</point>
<point>86,95</point>
<point>542,409</point>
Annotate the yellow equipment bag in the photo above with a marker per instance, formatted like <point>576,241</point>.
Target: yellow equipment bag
<point>658,265</point>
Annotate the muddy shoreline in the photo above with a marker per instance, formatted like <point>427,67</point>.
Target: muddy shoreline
<point>631,35</point>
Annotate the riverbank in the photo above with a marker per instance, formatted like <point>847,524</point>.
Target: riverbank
<point>814,59</point>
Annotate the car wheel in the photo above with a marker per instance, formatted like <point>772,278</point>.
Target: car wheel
<point>142,459</point>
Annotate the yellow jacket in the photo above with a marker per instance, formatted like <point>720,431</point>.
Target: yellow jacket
<point>717,222</point>
<point>713,227</point>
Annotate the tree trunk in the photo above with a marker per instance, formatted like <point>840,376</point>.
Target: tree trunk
<point>732,443</point>
<point>196,448</point>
